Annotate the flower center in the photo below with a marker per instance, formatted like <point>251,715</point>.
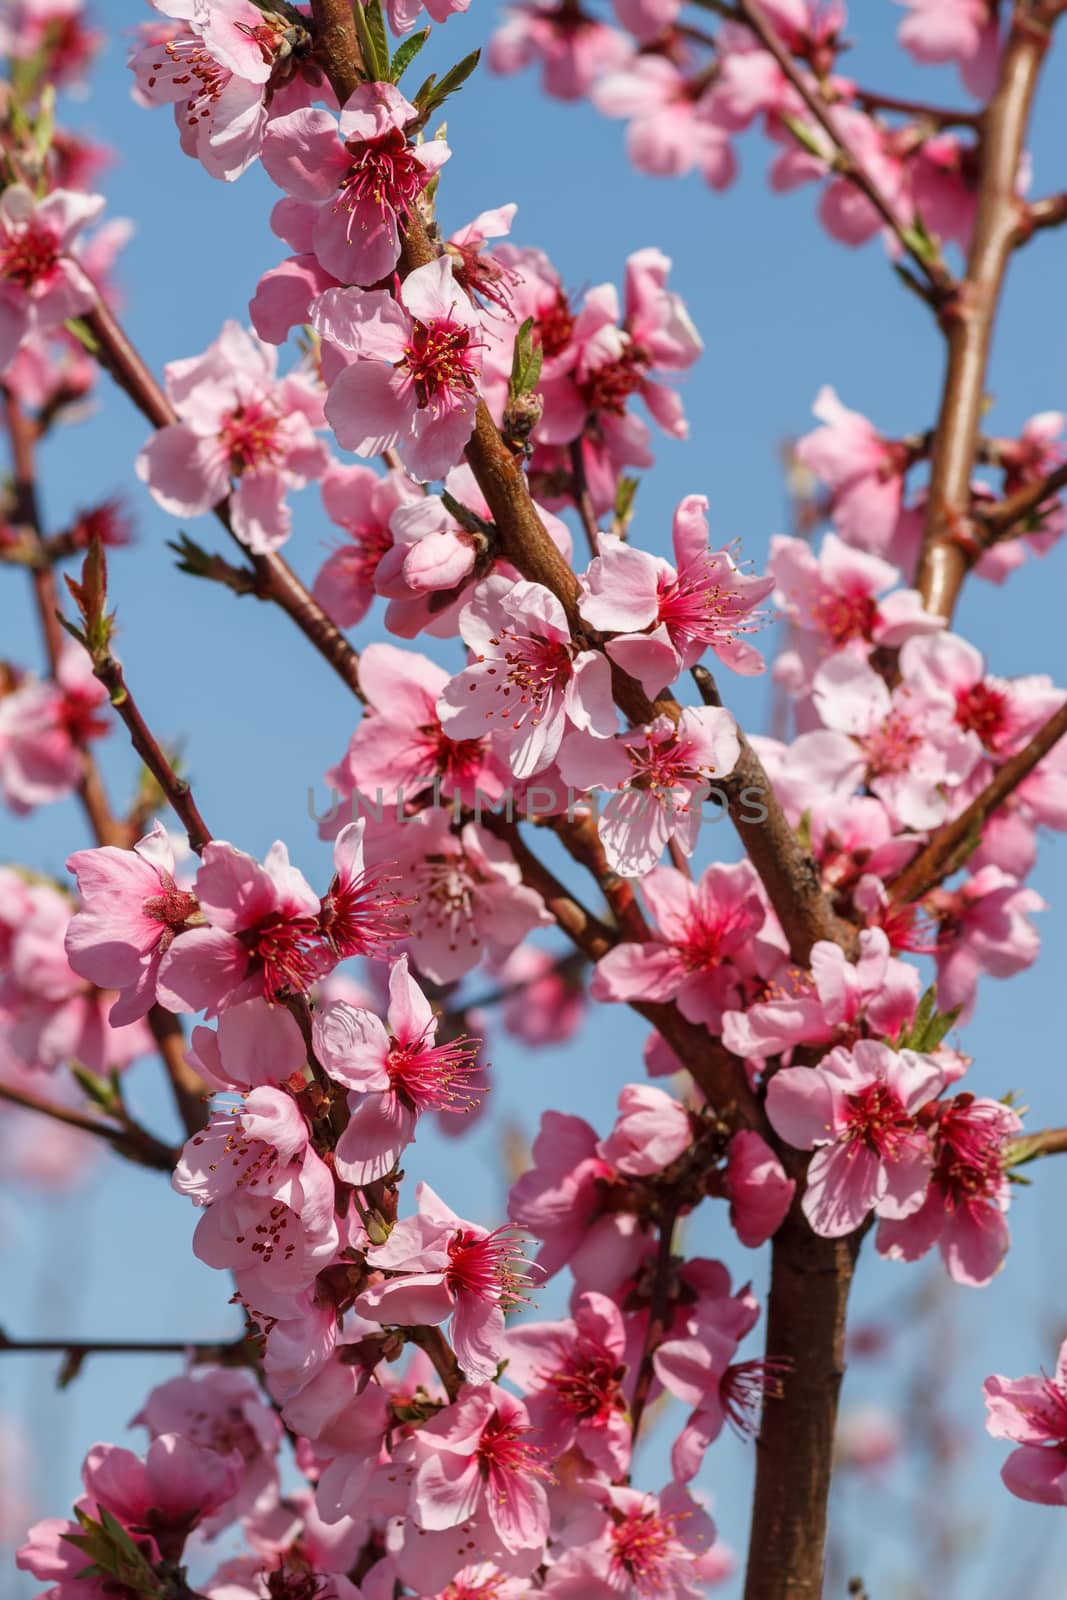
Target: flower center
<point>644,1549</point>
<point>697,607</point>
<point>361,558</point>
<point>28,255</point>
<point>845,616</point>
<point>360,917</point>
<point>435,1076</point>
<point>384,173</point>
<point>250,437</point>
<point>555,325</point>
<point>491,1266</point>
<point>287,951</point>
<point>890,748</point>
<point>876,1119</point>
<point>440,355</point>
<point>535,669</point>
<point>983,709</point>
<point>173,907</point>
<point>191,67</point>
<point>503,1448</point>
<point>448,897</point>
<point>610,386</point>
<point>970,1145</point>
<point>589,1386</point>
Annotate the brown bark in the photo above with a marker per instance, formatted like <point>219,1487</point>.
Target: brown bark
<point>948,848</point>
<point>810,1282</point>
<point>948,550</point>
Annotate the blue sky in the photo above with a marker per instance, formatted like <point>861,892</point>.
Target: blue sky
<point>782,310</point>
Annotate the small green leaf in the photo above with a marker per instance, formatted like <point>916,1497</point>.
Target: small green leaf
<point>807,137</point>
<point>406,53</point>
<point>370,30</point>
<point>434,93</point>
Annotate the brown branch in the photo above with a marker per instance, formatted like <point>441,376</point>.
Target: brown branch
<point>336,45</point>
<point>191,1093</point>
<point>1000,521</point>
<point>947,551</point>
<point>848,164</point>
<point>275,578</point>
<point>941,116</point>
<point>788,871</point>
<point>432,1342</point>
<point>206,1350</point>
<point>130,1140</point>
<point>806,1307</point>
<point>106,827</point>
<point>948,848</point>
<point>178,793</point>
<point>1051,212</point>
<point>658,1318</point>
<point>583,500</point>
<point>1032,1146</point>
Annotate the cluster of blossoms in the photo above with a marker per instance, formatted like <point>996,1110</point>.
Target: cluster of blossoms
<point>686,96</point>
<point>449,1444</point>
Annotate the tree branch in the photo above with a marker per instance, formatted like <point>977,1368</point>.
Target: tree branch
<point>947,551</point>
<point>130,1140</point>
<point>1032,1146</point>
<point>178,793</point>
<point>941,116</point>
<point>933,270</point>
<point>1000,521</point>
<point>658,1316</point>
<point>949,847</point>
<point>276,580</point>
<point>788,871</point>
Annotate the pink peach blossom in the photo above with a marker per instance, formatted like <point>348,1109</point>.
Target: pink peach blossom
<point>237,420</point>
<point>661,774</point>
<point>412,385</point>
<point>856,1109</point>
<point>360,174</point>
<point>394,1073</point>
<point>701,945</point>
<point>444,1267</point>
<point>757,1188</point>
<point>969,1192</point>
<point>651,1132</point>
<point>1032,1413</point>
<point>527,682</point>
<point>131,909</point>
<point>571,1374</point>
<point>665,618</point>
<point>41,282</point>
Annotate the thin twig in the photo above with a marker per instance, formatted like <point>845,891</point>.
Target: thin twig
<point>948,551</point>
<point>949,847</point>
<point>932,269</point>
<point>658,1316</point>
<point>178,793</point>
<point>999,521</point>
<point>583,500</point>
<point>276,579</point>
<point>941,116</point>
<point>130,1140</point>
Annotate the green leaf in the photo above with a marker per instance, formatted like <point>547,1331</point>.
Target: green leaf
<point>406,53</point>
<point>99,1090</point>
<point>113,1554</point>
<point>370,30</point>
<point>434,93</point>
<point>807,137</point>
<point>525,362</point>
